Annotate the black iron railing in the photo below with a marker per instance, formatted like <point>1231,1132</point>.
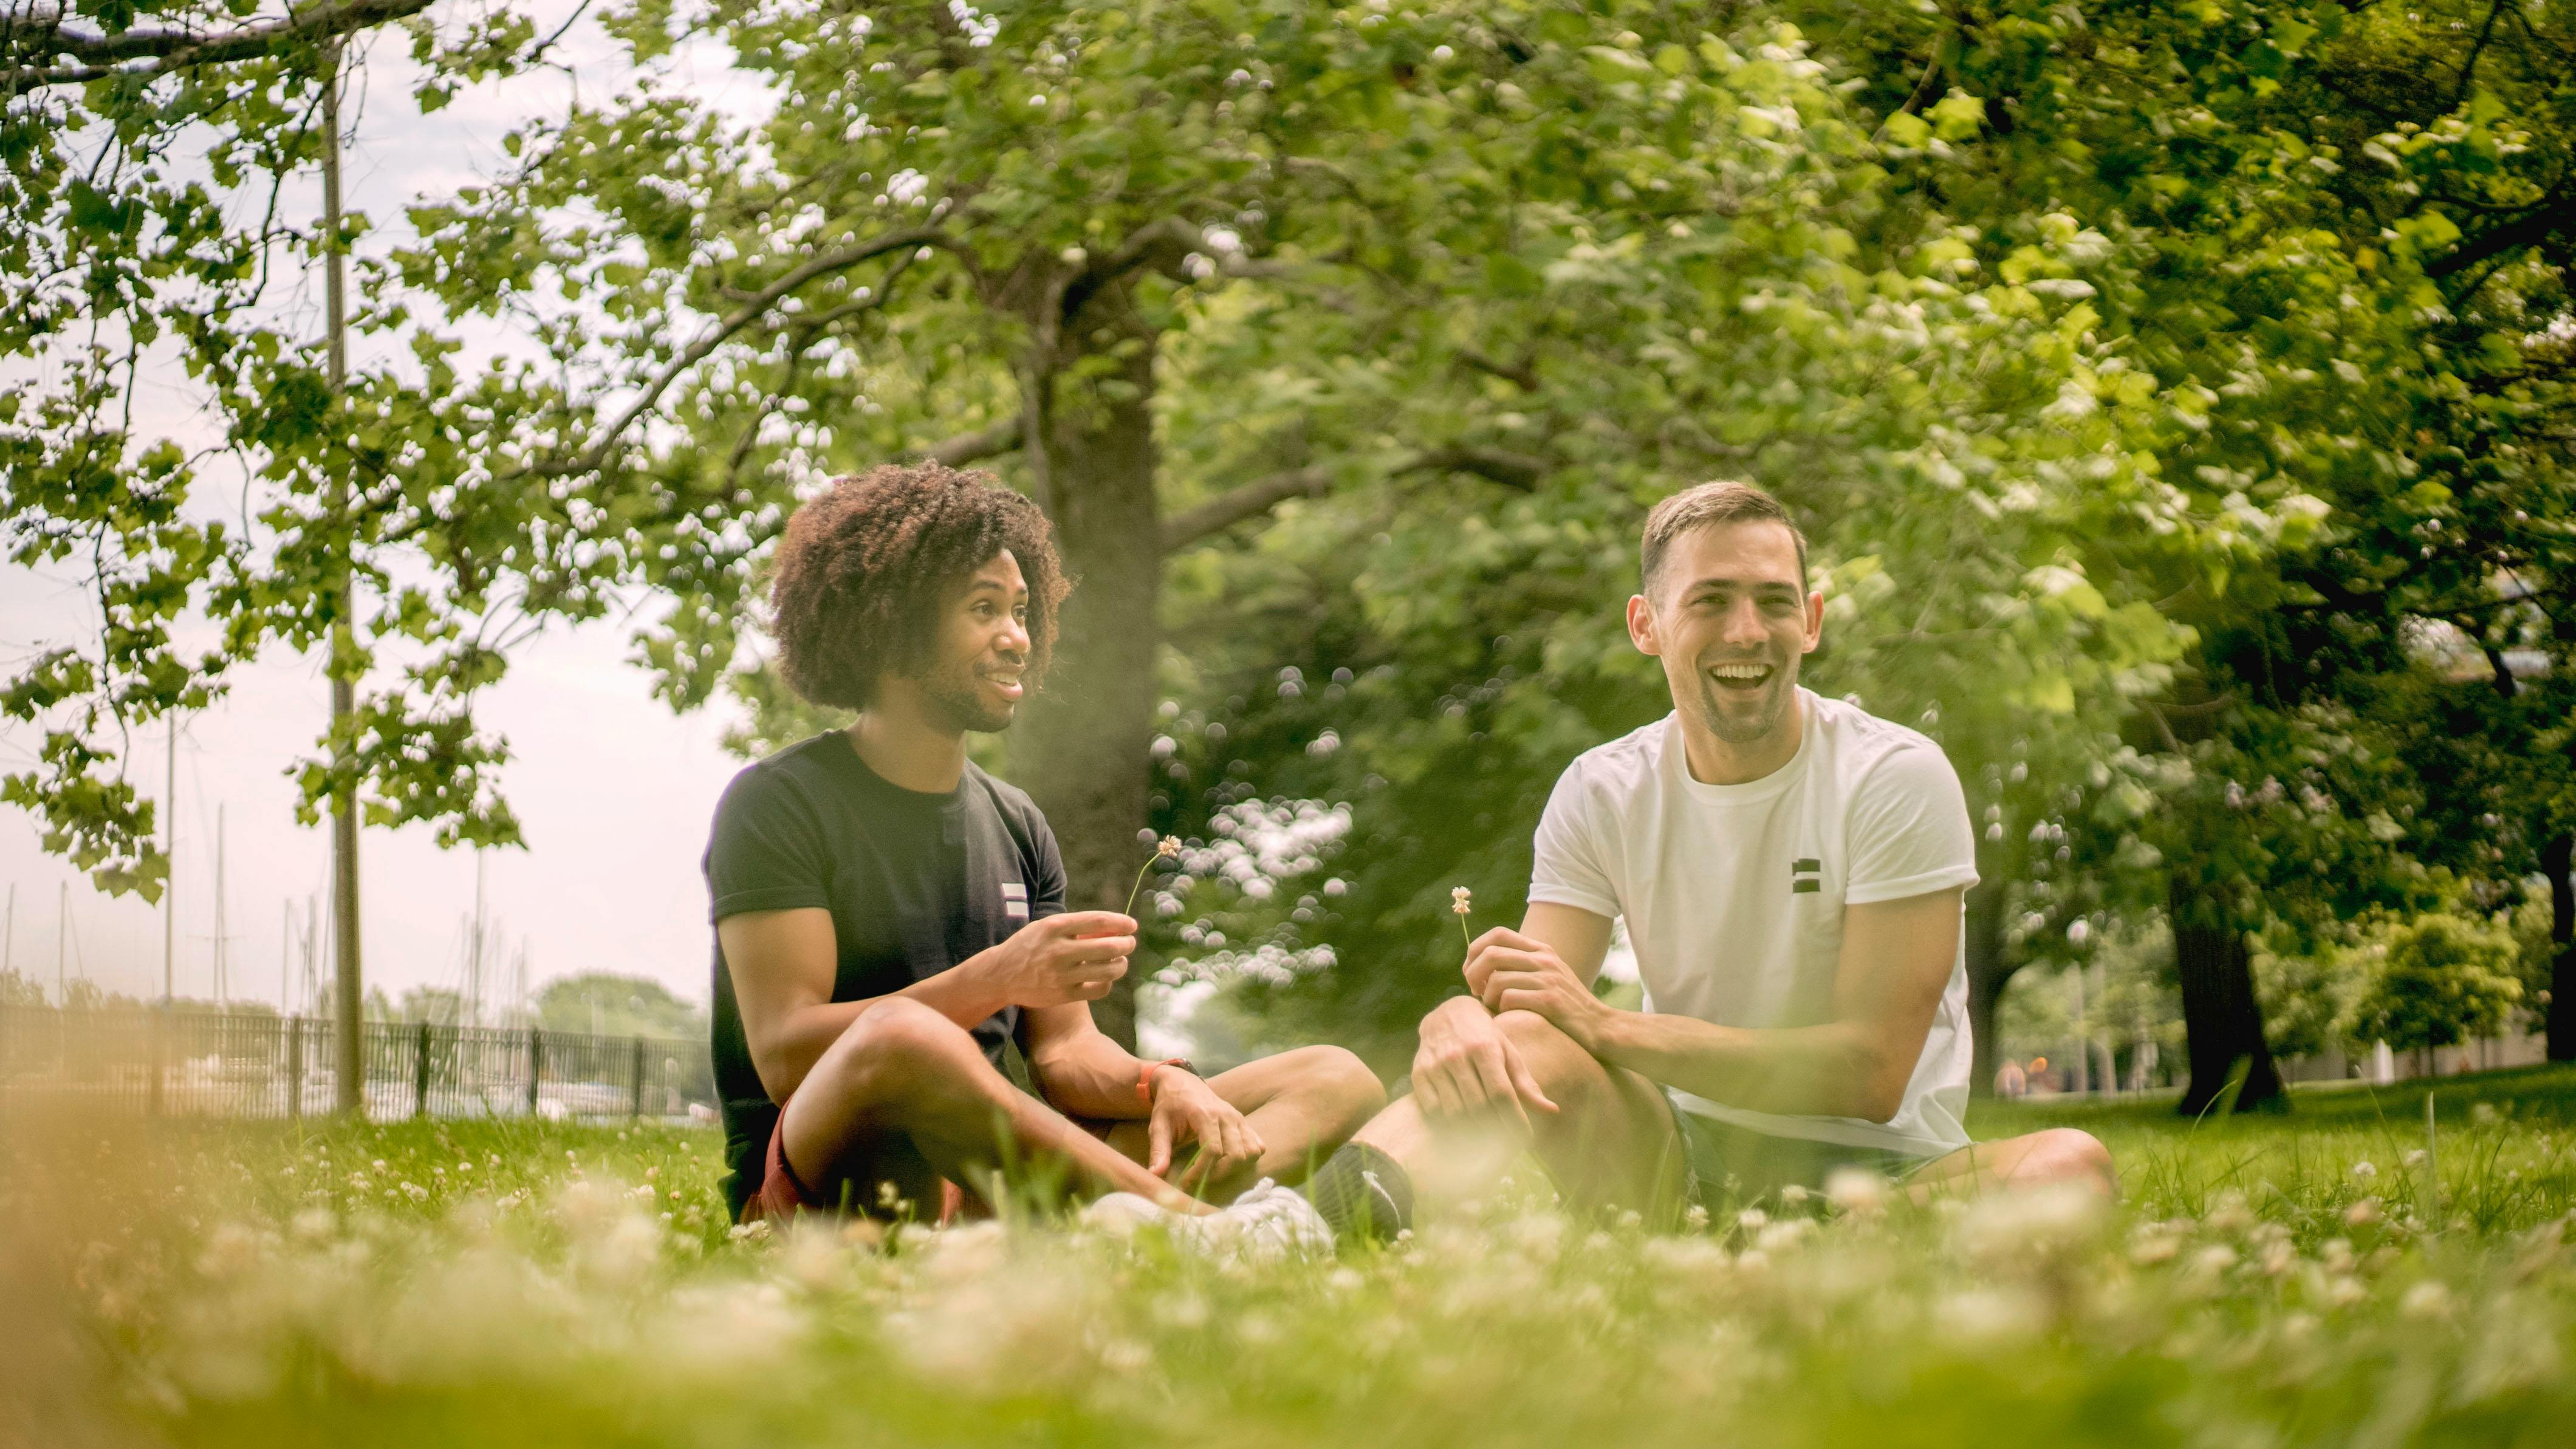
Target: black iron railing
<point>214,1064</point>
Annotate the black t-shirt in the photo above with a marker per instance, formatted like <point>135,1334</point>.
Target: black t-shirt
<point>915,883</point>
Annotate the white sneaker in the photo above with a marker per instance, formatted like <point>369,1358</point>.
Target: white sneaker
<point>1271,1222</point>
<point>1267,1223</point>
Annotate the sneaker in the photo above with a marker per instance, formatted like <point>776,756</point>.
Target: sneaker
<point>1272,1222</point>
<point>1267,1223</point>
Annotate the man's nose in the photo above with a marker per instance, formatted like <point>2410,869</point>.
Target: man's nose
<point>1015,637</point>
<point>1744,624</point>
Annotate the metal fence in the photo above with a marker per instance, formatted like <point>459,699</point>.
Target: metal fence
<point>213,1064</point>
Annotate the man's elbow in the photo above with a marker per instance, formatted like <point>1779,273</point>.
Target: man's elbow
<point>778,1076</point>
<point>1879,1086</point>
<point>1881,1106</point>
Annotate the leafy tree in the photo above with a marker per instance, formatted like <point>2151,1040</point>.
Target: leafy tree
<point>436,1005</point>
<point>2352,295</point>
<point>2438,980</point>
<point>610,1004</point>
<point>122,264</point>
<point>369,525</point>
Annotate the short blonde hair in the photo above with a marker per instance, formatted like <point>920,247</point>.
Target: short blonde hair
<point>1698,507</point>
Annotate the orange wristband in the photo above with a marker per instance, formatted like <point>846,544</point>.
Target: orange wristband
<point>1145,1078</point>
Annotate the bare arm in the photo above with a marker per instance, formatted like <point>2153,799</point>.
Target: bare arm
<point>783,962</point>
<point>1896,961</point>
<point>1082,1073</point>
<point>1078,1069</point>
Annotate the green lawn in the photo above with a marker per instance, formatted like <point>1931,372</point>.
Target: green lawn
<point>506,1285</point>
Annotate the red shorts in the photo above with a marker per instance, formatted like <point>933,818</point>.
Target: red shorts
<point>783,1194</point>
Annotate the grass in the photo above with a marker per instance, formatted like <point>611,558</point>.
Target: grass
<point>2286,1280</point>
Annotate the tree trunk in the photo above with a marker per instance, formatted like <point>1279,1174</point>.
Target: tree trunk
<point>1081,751</point>
<point>2219,1011</point>
<point>1989,969</point>
<point>2555,859</point>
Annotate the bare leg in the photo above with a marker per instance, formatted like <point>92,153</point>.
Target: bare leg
<point>1304,1103</point>
<point>1611,1144</point>
<point>2060,1154</point>
<point>905,1077</point>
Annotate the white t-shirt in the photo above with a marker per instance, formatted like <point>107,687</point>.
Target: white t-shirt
<point>1734,894</point>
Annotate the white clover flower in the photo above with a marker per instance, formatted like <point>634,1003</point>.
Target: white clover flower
<point>2428,1299</point>
<point>1987,1318</point>
<point>2030,1227</point>
<point>1856,1190</point>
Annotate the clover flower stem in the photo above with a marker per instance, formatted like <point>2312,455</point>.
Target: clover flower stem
<point>1139,885</point>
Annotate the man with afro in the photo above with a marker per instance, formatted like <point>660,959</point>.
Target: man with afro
<point>902,1001</point>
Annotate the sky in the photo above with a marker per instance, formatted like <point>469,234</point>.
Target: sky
<point>614,792</point>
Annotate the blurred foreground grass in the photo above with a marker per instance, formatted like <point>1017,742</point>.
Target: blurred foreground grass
<point>2291,1280</point>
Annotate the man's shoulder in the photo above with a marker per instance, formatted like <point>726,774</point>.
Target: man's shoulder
<point>1868,748</point>
<point>1010,799</point>
<point>1624,766</point>
<point>793,773</point>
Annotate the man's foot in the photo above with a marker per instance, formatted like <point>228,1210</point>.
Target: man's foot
<point>1362,1194</point>
<point>1268,1222</point>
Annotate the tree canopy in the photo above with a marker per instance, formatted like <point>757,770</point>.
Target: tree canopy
<point>2176,399</point>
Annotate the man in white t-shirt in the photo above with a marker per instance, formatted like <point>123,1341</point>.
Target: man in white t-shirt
<point>1791,871</point>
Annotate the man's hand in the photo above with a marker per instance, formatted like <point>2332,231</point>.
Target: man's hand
<point>1062,959</point>
<point>1512,972</point>
<point>1466,1066</point>
<point>1188,1110</point>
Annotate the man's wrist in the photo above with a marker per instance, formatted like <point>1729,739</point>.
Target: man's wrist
<point>1602,1031</point>
<point>980,978</point>
<point>1151,1080</point>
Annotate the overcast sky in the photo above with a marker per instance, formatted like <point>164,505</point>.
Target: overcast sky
<point>614,792</point>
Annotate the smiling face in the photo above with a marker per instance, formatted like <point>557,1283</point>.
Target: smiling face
<point>1731,618</point>
<point>974,681</point>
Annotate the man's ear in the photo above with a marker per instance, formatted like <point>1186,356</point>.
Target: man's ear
<point>1815,619</point>
<point>1641,626</point>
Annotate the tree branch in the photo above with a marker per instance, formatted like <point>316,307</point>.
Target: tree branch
<point>741,317</point>
<point>2536,225</point>
<point>97,54</point>
<point>1518,471</point>
<point>1512,470</point>
<point>1522,374</point>
<point>965,448</point>
<point>1249,501</point>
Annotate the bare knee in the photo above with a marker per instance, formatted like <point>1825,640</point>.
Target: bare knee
<point>899,1042</point>
<point>2066,1154</point>
<point>1342,1080</point>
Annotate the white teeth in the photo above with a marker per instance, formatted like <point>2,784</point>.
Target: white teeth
<point>1740,671</point>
